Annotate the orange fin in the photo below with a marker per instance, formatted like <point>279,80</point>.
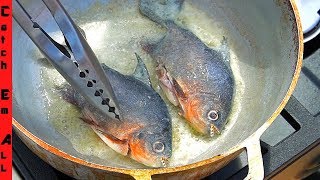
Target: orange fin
<point>166,84</point>
<point>120,146</point>
<point>88,121</point>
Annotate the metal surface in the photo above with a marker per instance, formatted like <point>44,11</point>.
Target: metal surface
<point>31,167</point>
<point>291,144</point>
<point>269,76</point>
<point>80,67</point>
<point>297,144</point>
<point>279,158</point>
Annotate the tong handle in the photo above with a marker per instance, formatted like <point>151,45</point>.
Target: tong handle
<point>52,50</point>
<point>80,68</point>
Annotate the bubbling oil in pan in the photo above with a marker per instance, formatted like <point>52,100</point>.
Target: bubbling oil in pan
<point>115,36</point>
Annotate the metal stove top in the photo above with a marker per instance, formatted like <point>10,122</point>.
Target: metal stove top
<point>290,147</point>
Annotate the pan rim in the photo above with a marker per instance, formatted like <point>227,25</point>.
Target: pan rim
<point>236,148</point>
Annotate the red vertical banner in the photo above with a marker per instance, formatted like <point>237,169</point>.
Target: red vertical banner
<point>5,89</point>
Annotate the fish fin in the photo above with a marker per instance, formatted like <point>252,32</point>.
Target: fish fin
<point>141,73</point>
<point>120,146</point>
<point>224,43</point>
<point>105,67</point>
<point>166,84</point>
<point>160,11</point>
<point>224,47</point>
<point>86,120</point>
<point>68,94</point>
<point>87,116</point>
<point>179,91</point>
<point>109,70</point>
<point>224,50</point>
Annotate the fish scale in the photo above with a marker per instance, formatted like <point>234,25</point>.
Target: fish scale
<point>144,113</point>
<point>198,78</point>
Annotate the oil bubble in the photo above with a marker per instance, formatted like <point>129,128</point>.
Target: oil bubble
<point>65,127</point>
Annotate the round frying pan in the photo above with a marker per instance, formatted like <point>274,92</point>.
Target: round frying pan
<point>266,47</point>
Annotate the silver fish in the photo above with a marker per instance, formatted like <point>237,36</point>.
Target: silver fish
<point>145,133</point>
<point>194,77</point>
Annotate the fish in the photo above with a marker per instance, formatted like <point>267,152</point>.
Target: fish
<point>195,78</point>
<point>145,131</point>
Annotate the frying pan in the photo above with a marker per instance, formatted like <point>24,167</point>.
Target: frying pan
<point>264,36</point>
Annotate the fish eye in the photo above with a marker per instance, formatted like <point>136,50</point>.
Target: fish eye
<point>158,147</point>
<point>213,115</point>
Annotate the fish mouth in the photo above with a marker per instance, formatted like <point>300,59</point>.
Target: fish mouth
<point>213,130</point>
<point>164,161</point>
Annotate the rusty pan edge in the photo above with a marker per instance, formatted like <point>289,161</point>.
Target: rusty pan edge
<point>138,172</point>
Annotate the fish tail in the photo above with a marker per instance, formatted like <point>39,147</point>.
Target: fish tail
<point>160,11</point>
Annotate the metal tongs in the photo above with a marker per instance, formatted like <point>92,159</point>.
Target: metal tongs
<point>79,66</point>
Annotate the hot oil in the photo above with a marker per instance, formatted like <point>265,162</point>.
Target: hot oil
<point>114,36</point>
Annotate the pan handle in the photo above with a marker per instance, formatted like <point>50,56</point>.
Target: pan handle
<point>255,161</point>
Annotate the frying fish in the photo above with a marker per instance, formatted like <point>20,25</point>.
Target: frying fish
<point>144,133</point>
<point>194,77</point>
